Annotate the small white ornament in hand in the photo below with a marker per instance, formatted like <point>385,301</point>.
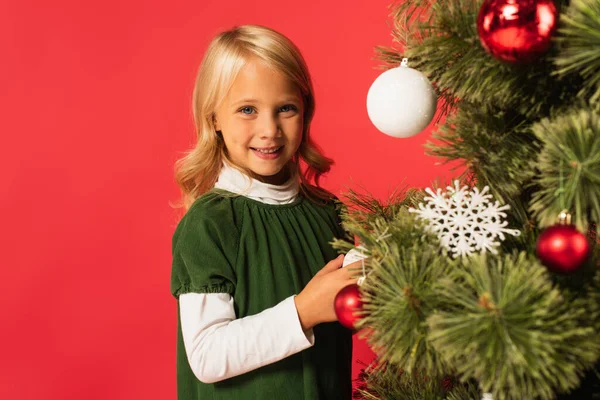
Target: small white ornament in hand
<point>354,255</point>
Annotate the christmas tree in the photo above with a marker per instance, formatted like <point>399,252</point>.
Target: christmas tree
<point>489,286</point>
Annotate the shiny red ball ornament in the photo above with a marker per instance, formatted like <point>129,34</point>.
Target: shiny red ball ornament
<point>562,248</point>
<point>347,302</point>
<point>517,31</point>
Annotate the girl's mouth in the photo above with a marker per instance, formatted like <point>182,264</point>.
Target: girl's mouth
<point>267,154</point>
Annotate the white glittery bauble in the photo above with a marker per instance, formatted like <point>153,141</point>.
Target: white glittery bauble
<point>401,102</point>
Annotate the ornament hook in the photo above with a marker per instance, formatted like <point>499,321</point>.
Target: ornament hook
<point>364,276</point>
<point>564,218</point>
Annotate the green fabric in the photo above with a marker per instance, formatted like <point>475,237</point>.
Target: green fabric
<point>261,254</point>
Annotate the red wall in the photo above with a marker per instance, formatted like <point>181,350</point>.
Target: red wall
<point>95,100</point>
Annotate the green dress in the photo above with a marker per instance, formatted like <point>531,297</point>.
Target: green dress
<point>261,254</point>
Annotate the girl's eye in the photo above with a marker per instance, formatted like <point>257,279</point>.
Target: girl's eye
<point>291,106</point>
<point>246,108</point>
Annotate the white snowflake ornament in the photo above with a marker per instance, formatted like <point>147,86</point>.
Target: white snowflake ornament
<point>465,221</point>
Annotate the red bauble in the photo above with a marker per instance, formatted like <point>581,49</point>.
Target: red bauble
<point>562,248</point>
<point>347,303</point>
<point>517,31</point>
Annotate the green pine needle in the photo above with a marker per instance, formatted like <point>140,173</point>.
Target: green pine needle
<point>569,169</point>
<point>504,324</point>
<point>580,50</point>
<point>496,147</point>
<point>398,298</point>
<point>387,381</point>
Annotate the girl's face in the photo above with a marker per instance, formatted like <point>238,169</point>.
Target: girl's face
<point>261,120</point>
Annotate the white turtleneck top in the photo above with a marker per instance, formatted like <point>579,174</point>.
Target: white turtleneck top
<point>235,181</point>
<point>219,346</point>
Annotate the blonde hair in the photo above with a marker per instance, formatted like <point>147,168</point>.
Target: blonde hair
<point>197,172</point>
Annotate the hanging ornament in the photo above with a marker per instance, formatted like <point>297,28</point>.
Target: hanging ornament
<point>517,31</point>
<point>561,247</point>
<point>348,302</point>
<point>401,102</point>
<point>465,221</point>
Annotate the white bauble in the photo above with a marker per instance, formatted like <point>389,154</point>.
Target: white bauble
<point>401,102</point>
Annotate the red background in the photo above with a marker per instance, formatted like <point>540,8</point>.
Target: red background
<point>95,103</point>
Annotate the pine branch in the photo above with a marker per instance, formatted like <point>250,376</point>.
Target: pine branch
<point>580,47</point>
<point>387,381</point>
<point>497,147</point>
<point>366,207</point>
<point>505,325</point>
<point>362,212</point>
<point>465,391</point>
<point>569,166</point>
<point>398,297</point>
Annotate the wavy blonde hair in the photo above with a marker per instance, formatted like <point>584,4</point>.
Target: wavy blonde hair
<point>197,172</point>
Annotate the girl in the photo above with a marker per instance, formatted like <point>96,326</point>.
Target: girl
<point>250,269</point>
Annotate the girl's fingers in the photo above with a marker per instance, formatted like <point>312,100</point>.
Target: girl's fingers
<point>332,265</point>
<point>348,276</point>
<point>356,264</point>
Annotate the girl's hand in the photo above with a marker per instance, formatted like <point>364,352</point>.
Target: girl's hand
<point>315,301</point>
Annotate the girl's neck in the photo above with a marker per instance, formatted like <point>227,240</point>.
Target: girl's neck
<point>279,178</point>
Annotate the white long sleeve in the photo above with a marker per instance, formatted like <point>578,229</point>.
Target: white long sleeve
<point>219,346</point>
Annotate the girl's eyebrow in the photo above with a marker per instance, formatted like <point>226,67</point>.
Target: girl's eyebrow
<point>250,100</point>
<point>245,101</point>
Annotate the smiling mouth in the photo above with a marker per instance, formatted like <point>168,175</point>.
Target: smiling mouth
<point>269,150</point>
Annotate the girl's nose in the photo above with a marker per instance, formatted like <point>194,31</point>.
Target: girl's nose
<point>270,127</point>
